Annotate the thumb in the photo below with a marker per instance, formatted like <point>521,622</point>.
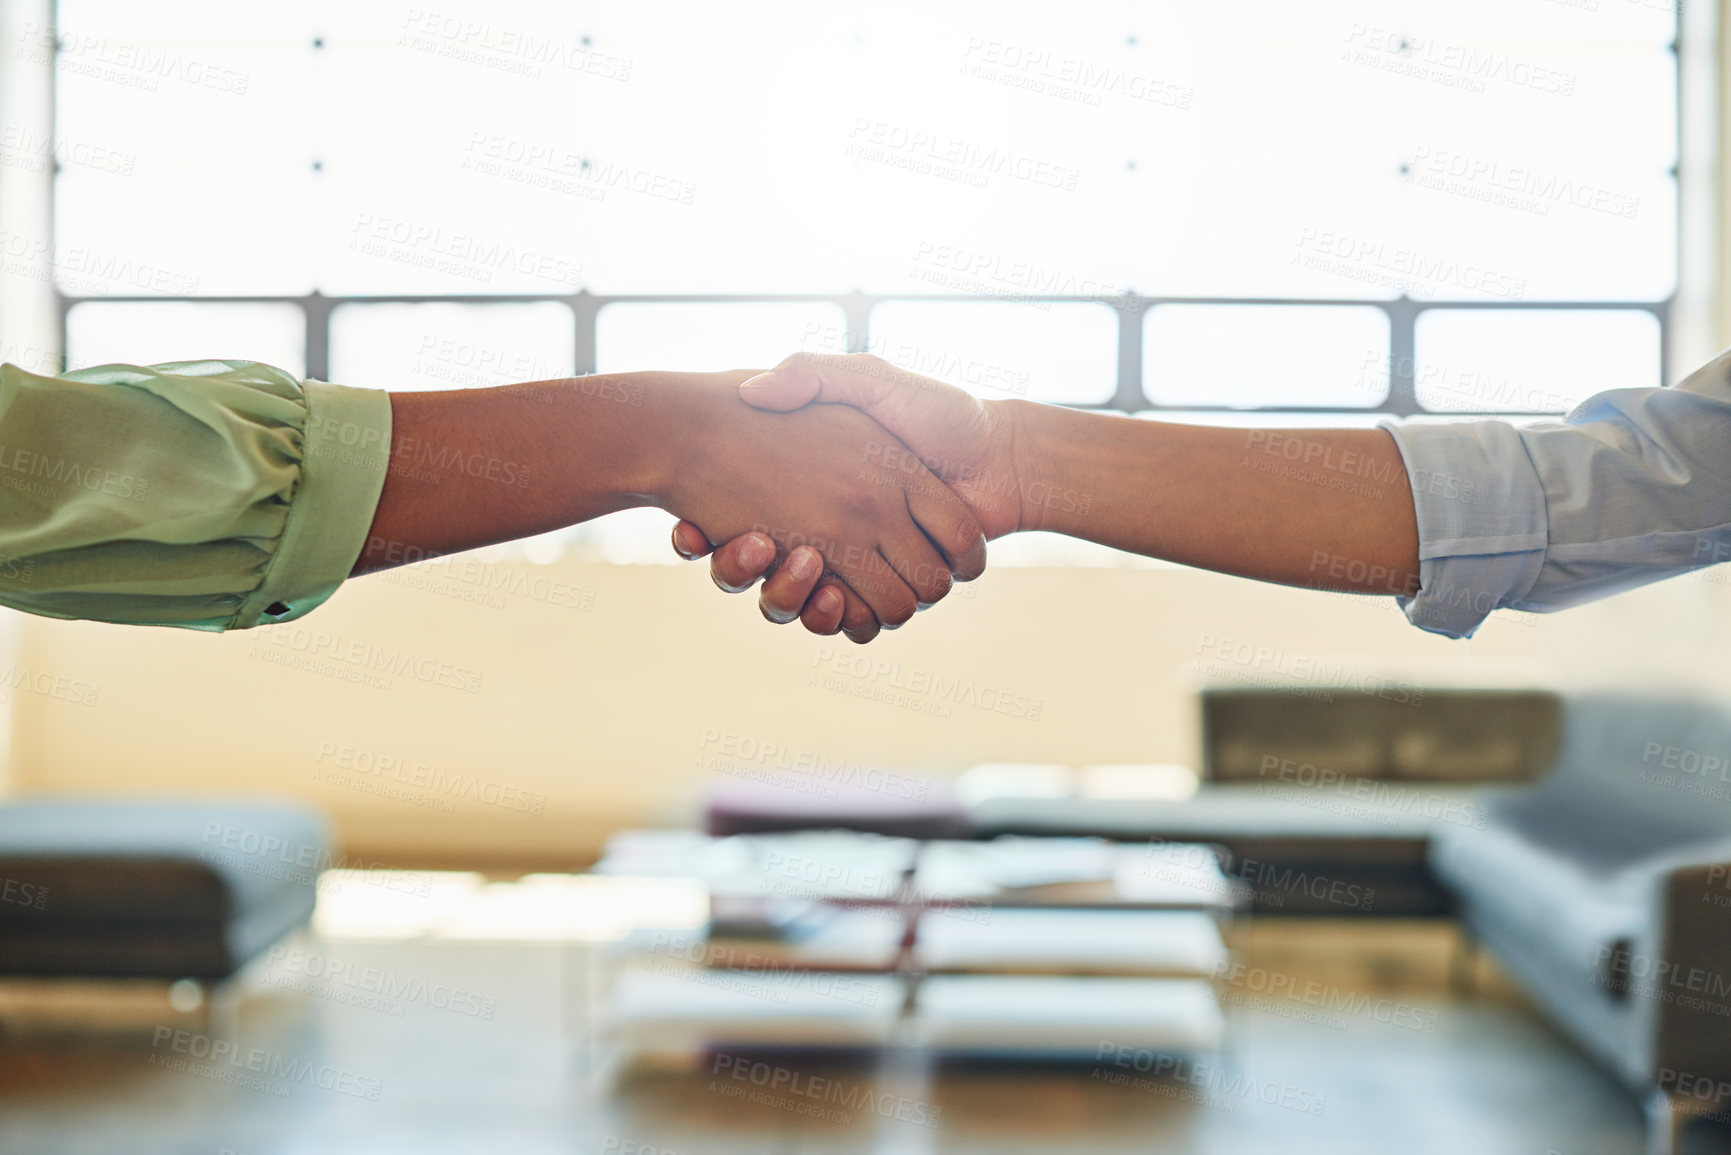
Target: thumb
<point>903,402</point>
<point>780,389</point>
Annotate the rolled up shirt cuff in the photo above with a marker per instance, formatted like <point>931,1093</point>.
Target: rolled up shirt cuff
<point>345,455</point>
<point>1482,522</point>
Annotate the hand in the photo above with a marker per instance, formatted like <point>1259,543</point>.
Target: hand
<point>969,444</point>
<point>823,491</point>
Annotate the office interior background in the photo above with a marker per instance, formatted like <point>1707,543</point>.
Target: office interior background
<point>1267,213</point>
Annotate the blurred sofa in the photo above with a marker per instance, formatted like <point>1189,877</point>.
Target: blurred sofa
<point>151,888</point>
<point>1605,891</point>
<point>1324,803</point>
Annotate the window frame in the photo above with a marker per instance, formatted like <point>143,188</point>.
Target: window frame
<point>1131,308</point>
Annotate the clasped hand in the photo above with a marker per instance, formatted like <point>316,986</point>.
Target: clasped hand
<point>900,480</point>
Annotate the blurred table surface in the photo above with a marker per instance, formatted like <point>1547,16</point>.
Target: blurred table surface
<point>430,1045</point>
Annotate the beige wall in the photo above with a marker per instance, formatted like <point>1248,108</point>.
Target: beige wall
<point>604,710</point>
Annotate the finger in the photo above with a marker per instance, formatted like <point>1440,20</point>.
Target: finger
<point>784,594</point>
<point>739,563</point>
<point>823,611</point>
<point>920,566</point>
<point>689,542</point>
<point>893,602</point>
<point>858,623</point>
<point>949,525</point>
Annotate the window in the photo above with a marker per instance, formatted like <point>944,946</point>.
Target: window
<point>1263,210</point>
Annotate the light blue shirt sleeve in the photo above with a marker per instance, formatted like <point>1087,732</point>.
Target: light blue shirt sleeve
<point>1632,486</point>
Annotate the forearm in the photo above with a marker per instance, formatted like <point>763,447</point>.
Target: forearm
<point>1327,509</point>
<point>474,467</point>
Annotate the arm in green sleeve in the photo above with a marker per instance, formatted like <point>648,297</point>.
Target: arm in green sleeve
<point>210,495</point>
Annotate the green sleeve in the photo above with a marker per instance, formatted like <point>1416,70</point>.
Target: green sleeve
<point>211,495</point>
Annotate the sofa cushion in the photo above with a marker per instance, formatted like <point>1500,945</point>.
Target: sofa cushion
<point>149,887</point>
<point>1597,834</point>
<point>151,860</point>
<point>1280,842</point>
<point>1659,766</point>
<point>1502,875</point>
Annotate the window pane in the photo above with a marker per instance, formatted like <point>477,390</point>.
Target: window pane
<point>1584,22</point>
<point>230,231</point>
<point>709,337</point>
<point>1253,355</point>
<point>1531,361</point>
<point>1525,234</point>
<point>444,346</point>
<point>394,230</point>
<point>1064,352</point>
<point>169,101</point>
<point>149,333</point>
<point>204,20</point>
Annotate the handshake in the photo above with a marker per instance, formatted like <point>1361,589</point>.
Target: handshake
<point>862,492</point>
<point>889,486</point>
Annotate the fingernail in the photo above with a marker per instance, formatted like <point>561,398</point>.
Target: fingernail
<point>757,382</point>
<point>756,553</point>
<point>828,601</point>
<point>802,564</point>
<point>679,546</point>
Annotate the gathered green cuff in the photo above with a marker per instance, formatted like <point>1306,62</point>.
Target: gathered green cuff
<point>345,456</point>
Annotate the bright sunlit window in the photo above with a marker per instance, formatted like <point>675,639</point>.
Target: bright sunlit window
<point>1273,205</point>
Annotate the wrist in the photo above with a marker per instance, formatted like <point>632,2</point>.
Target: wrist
<point>681,412</point>
<point>1039,444</point>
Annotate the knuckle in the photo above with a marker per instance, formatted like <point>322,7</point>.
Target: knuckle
<point>899,612</point>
